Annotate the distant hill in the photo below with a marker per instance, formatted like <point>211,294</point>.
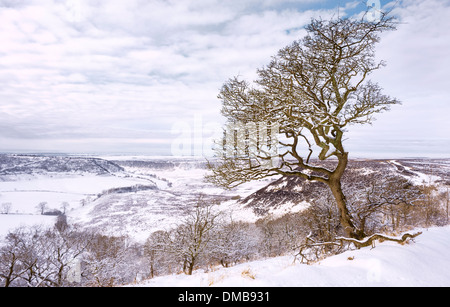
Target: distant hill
<point>296,190</point>
<point>13,165</point>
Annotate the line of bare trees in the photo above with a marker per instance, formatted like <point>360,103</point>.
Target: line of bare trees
<point>68,256</point>
<point>64,256</point>
<point>383,206</point>
<point>207,237</point>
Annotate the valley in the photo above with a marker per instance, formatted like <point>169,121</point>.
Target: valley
<point>138,195</point>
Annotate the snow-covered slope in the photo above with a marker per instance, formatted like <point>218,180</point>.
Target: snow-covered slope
<point>424,262</point>
<point>132,196</point>
<point>26,181</point>
<point>290,194</point>
<point>98,196</point>
<point>179,182</point>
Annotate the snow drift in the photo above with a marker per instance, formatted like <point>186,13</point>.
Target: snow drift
<point>423,262</point>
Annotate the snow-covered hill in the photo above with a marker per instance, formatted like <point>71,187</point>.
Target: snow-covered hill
<point>288,194</point>
<point>137,196</point>
<point>12,165</point>
<point>422,263</point>
<point>100,192</point>
<point>132,196</point>
<point>179,183</point>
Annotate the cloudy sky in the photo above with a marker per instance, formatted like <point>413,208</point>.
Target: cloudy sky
<point>142,76</point>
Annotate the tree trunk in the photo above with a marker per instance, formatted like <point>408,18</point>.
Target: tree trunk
<point>334,183</point>
<point>345,217</point>
<point>190,267</point>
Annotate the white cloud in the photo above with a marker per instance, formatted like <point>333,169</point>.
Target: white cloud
<point>90,70</point>
<point>417,74</point>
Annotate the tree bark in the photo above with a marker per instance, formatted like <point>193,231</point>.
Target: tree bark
<point>345,217</point>
<point>368,241</point>
<point>311,244</point>
<point>334,183</point>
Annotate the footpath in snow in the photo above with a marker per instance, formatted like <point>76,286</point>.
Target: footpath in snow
<point>422,263</point>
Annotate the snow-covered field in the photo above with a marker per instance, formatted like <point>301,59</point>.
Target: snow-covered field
<point>26,194</point>
<point>136,214</point>
<point>422,263</point>
<point>177,184</point>
<point>9,222</point>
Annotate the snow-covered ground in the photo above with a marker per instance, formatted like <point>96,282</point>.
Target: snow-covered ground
<point>9,222</point>
<point>26,193</point>
<point>422,263</point>
<point>136,214</point>
<point>179,180</point>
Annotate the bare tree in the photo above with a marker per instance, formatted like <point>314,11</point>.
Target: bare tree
<point>313,89</point>
<point>157,252</point>
<point>36,257</point>
<point>447,203</point>
<point>383,201</point>
<point>105,263</point>
<point>192,237</point>
<point>431,208</point>
<point>6,208</point>
<point>12,266</point>
<point>64,206</point>
<point>233,242</point>
<point>42,206</point>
